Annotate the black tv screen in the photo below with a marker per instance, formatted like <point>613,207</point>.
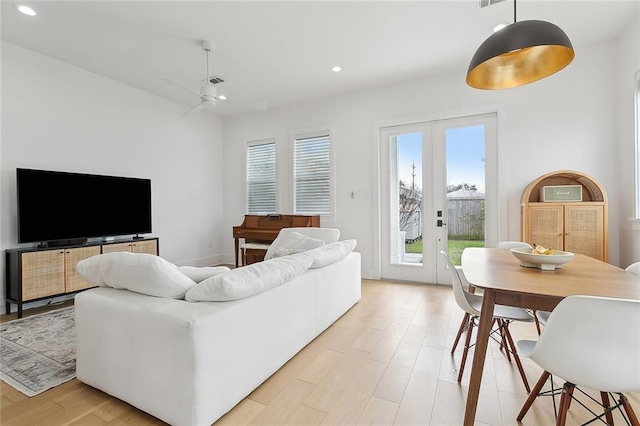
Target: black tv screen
<point>65,206</point>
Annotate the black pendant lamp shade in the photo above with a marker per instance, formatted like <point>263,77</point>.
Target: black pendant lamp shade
<point>520,53</point>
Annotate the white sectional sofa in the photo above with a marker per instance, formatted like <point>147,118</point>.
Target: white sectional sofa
<point>189,363</point>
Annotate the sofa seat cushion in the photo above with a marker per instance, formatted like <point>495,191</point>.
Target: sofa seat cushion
<point>331,253</point>
<point>139,272</point>
<point>249,280</point>
<point>200,274</point>
<point>287,243</point>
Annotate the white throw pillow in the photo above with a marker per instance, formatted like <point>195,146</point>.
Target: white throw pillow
<point>139,272</point>
<point>331,253</point>
<point>292,241</point>
<point>249,280</point>
<point>201,274</point>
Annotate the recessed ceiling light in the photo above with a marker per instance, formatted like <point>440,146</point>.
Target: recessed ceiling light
<point>26,10</point>
<point>336,69</point>
<point>222,97</point>
<point>500,26</point>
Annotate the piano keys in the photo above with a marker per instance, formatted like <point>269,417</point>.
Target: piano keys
<point>265,229</point>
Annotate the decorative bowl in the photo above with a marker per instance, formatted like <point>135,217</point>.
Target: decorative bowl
<point>546,262</point>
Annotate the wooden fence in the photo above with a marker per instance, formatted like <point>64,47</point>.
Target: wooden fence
<point>465,218</point>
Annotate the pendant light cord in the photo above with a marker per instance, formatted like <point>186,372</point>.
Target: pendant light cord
<point>514,11</point>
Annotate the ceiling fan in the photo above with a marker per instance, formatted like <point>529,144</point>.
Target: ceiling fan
<point>208,93</point>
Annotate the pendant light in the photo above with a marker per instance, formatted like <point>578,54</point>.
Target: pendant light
<point>518,54</point>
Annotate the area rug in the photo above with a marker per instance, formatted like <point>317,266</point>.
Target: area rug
<point>38,352</point>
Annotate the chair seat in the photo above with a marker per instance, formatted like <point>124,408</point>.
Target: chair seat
<point>254,246</point>
<point>543,316</point>
<point>525,347</point>
<point>501,311</point>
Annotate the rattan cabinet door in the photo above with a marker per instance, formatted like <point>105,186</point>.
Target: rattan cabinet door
<point>148,246</point>
<point>42,274</point>
<point>584,230</point>
<point>72,256</point>
<point>112,248</point>
<point>545,226</point>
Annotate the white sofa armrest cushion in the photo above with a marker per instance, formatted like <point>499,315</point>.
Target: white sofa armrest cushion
<point>292,241</point>
<point>139,272</point>
<point>331,253</point>
<point>200,274</point>
<point>249,280</point>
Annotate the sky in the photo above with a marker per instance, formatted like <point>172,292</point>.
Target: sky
<point>465,156</point>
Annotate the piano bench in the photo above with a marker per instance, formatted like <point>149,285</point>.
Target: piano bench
<point>253,252</point>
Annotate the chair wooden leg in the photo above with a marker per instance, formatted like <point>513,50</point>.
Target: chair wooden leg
<point>466,347</point>
<point>502,324</point>
<point>629,411</point>
<point>605,403</point>
<point>535,319</point>
<point>463,325</point>
<point>533,395</point>
<point>517,358</point>
<point>565,400</point>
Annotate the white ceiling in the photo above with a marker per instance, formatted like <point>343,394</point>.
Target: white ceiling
<point>279,53</point>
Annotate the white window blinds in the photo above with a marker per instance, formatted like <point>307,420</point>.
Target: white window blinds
<point>312,175</point>
<point>261,177</point>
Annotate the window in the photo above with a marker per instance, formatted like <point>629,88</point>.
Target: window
<point>261,177</point>
<point>312,173</point>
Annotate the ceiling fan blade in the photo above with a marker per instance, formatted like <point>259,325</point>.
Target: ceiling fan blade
<point>175,83</point>
<point>199,107</point>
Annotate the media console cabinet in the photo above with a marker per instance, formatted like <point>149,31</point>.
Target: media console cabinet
<point>39,273</point>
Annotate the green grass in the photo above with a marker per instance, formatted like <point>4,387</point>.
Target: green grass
<point>454,248</point>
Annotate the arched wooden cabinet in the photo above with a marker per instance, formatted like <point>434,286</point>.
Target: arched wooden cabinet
<point>566,224</point>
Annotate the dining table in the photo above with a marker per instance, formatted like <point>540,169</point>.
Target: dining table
<point>497,272</point>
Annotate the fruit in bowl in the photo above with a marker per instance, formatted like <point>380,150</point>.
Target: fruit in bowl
<point>541,250</point>
<point>542,258</point>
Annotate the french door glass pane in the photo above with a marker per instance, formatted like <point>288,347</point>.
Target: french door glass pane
<point>465,150</point>
<point>409,197</point>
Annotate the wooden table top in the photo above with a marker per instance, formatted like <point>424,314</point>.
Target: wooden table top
<point>498,269</point>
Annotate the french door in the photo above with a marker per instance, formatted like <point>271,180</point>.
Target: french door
<point>435,192</point>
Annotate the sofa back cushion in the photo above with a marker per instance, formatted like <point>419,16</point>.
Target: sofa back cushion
<point>331,253</point>
<point>291,242</point>
<point>139,272</point>
<point>249,280</point>
<point>200,274</point>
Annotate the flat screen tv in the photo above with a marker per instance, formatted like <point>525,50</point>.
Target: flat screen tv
<point>54,206</point>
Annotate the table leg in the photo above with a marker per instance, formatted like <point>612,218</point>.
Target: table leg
<point>482,341</point>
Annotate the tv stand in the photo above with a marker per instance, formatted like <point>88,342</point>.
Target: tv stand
<point>39,273</point>
<point>138,237</point>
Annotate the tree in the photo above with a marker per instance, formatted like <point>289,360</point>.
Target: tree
<point>465,186</point>
<point>410,205</point>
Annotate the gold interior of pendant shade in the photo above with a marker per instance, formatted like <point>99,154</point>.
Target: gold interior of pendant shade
<point>521,53</point>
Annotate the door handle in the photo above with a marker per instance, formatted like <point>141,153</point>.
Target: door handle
<point>440,223</point>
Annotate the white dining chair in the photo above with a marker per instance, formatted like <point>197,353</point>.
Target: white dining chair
<point>634,268</point>
<point>471,304</point>
<point>584,343</point>
<point>513,244</point>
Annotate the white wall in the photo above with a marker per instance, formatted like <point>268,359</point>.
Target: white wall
<point>567,121</point>
<point>58,117</point>
<point>628,61</point>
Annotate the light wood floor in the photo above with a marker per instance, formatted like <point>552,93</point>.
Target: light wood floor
<point>385,362</point>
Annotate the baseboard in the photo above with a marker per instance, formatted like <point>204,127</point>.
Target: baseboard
<point>203,261</point>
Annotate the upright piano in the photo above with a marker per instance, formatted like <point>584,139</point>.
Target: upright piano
<point>265,229</point>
